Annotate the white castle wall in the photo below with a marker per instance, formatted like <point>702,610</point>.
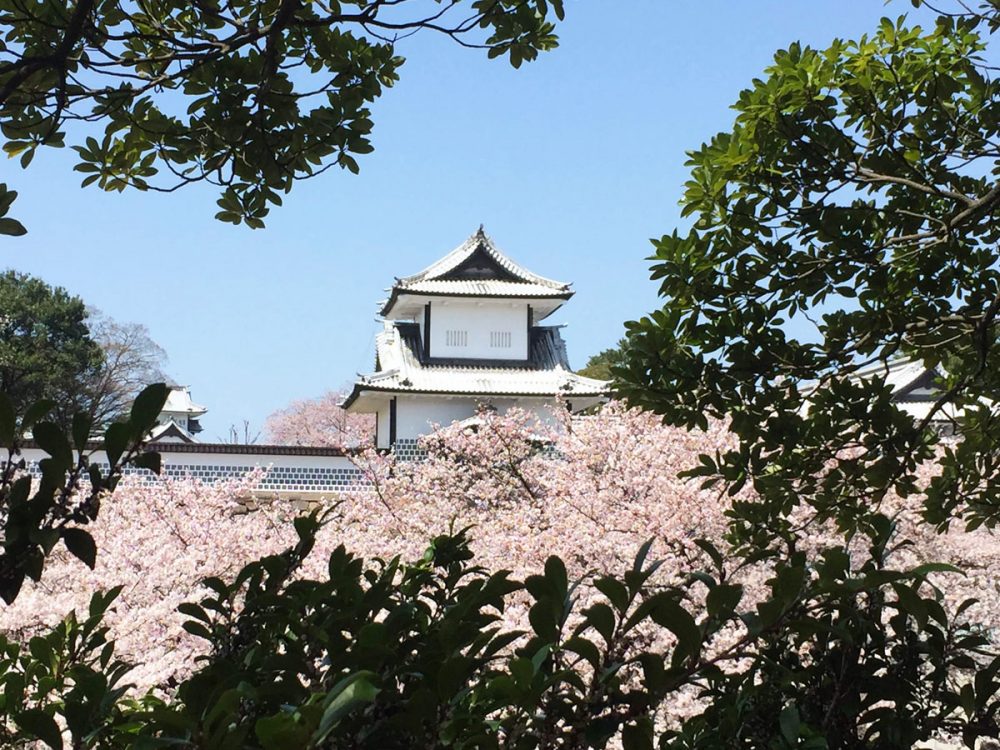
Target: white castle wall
<point>416,414</point>
<point>294,471</point>
<point>482,329</point>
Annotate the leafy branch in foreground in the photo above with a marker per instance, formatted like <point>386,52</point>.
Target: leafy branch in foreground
<point>848,221</point>
<point>36,514</point>
<point>382,654</point>
<point>66,678</point>
<point>247,95</point>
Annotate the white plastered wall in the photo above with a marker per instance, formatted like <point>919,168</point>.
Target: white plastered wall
<point>383,425</point>
<point>486,329</point>
<point>415,415</point>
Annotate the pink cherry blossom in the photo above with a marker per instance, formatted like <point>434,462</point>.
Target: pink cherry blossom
<point>589,489</point>
<point>319,422</point>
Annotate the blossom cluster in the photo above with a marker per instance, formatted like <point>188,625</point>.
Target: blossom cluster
<point>319,422</point>
<point>589,489</point>
<point>157,540</point>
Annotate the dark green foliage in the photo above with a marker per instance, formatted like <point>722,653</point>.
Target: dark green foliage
<point>599,366</point>
<point>45,345</point>
<point>379,655</point>
<point>69,673</point>
<point>858,188</point>
<point>848,218</point>
<point>247,95</point>
<point>35,514</point>
<point>382,655</point>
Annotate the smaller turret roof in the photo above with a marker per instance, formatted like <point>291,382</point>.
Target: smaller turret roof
<point>477,268</point>
<point>171,432</point>
<point>915,387</point>
<point>179,402</point>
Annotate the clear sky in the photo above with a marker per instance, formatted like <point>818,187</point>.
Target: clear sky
<point>572,163</point>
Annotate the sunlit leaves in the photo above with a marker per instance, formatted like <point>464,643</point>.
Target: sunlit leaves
<point>246,96</point>
<point>845,221</point>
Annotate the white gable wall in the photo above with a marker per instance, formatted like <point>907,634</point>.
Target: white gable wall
<point>178,418</point>
<point>484,329</point>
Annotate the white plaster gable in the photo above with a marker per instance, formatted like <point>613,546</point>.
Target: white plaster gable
<point>476,268</point>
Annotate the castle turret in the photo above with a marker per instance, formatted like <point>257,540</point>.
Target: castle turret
<point>462,334</point>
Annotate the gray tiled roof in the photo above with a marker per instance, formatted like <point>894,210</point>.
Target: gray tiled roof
<point>495,275</point>
<point>483,288</point>
<point>915,388</point>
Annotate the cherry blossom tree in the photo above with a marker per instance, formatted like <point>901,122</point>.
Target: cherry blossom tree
<point>319,421</point>
<point>157,540</point>
<point>591,490</point>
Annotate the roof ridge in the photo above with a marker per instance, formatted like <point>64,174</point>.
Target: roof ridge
<point>480,239</point>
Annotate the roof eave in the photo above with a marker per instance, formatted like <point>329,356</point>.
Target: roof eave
<point>359,389</point>
<point>351,398</point>
<point>397,292</point>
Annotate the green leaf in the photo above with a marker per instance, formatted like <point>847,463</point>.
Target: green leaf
<point>116,439</point>
<point>723,599</point>
<point>52,440</point>
<point>789,723</point>
<point>641,555</point>
<point>11,582</point>
<point>81,430</point>
<point>671,615</point>
<point>147,407</point>
<point>8,421</point>
<point>45,537</point>
<point>555,573</point>
<point>614,590</point>
<point>41,650</point>
<point>936,567</point>
<point>710,549</point>
<point>544,619</point>
<point>36,724</point>
<point>150,460</point>
<point>19,492</point>
<point>346,696</point>
<point>584,648</point>
<point>12,227</point>
<point>100,601</point>
<point>81,545</point>
<point>197,629</point>
<point>36,412</point>
<point>193,610</point>
<point>638,735</point>
<point>281,732</point>
<point>602,619</point>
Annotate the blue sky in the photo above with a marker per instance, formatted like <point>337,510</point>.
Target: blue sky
<point>572,163</point>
